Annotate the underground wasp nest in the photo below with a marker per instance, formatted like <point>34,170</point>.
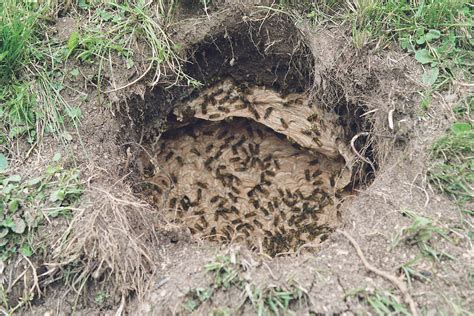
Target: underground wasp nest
<point>251,166</point>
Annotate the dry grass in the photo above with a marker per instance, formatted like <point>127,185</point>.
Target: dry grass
<point>112,239</point>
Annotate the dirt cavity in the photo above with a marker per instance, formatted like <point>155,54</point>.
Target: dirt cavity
<point>250,157</point>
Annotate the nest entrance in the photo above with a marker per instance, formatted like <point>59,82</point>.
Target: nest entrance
<point>251,165</point>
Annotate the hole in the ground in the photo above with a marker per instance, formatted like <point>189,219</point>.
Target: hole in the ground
<point>250,157</point>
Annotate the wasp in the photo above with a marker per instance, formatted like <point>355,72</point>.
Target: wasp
<point>275,202</point>
<point>257,223</point>
<point>257,149</point>
<point>223,109</point>
<point>180,161</point>
<point>251,192</point>
<point>255,203</point>
<point>289,203</point>
<point>277,164</point>
<point>264,211</point>
<point>251,214</point>
<point>200,212</point>
<point>270,207</point>
<point>214,199</point>
<point>172,203</point>
<point>209,148</point>
<point>241,106</point>
<point>283,123</point>
<point>317,141</point>
<point>307,175</point>
<point>234,159</point>
<point>214,116</point>
<point>254,112</point>
<point>204,108</point>
<point>315,131</point>
<point>234,150</point>
<point>192,230</point>
<point>213,231</point>
<point>268,233</point>
<point>196,152</point>
<point>307,132</point>
<point>237,191</point>
<point>208,162</point>
<point>232,197</point>
<point>241,226</point>
<point>292,219</point>
<point>316,173</point>
<point>202,185</point>
<point>270,173</point>
<point>299,193</point>
<point>198,227</point>
<point>267,158</point>
<point>224,99</point>
<point>236,221</point>
<point>312,117</point>
<point>318,182</point>
<point>246,161</point>
<point>281,192</point>
<point>276,220</point>
<point>185,202</point>
<point>241,169</point>
<point>295,209</point>
<point>229,139</point>
<point>204,221</point>
<point>268,111</point>
<point>169,155</point>
<point>174,178</point>
<point>199,194</point>
<point>234,209</point>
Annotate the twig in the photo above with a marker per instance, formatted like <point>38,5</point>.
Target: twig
<point>357,153</point>
<point>390,277</point>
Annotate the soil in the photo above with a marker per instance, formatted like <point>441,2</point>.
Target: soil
<point>359,88</point>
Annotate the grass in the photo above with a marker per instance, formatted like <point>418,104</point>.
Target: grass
<point>382,302</point>
<point>226,274</point>
<point>26,204</point>
<point>33,65</point>
<point>423,232</point>
<point>31,76</point>
<point>452,166</point>
<point>438,33</point>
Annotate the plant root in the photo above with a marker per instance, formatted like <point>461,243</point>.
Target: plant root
<point>386,275</point>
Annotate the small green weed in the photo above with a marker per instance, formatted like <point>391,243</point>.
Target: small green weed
<point>276,300</point>
<point>226,272</point>
<point>382,302</point>
<point>437,32</point>
<point>101,297</point>
<point>25,204</point>
<point>452,167</point>
<point>411,273</point>
<point>196,297</point>
<point>421,233</point>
